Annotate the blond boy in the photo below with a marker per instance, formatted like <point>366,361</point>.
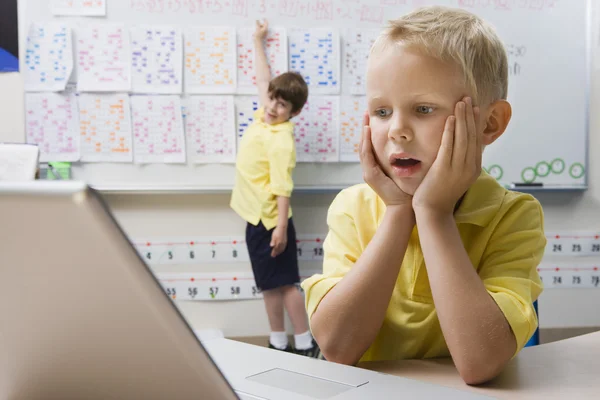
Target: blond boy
<point>261,196</point>
<point>432,257</point>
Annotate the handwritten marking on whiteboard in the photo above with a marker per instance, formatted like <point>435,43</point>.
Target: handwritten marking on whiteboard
<point>210,60</point>
<point>48,57</point>
<point>79,7</point>
<point>275,49</point>
<point>51,123</point>
<point>157,129</point>
<point>156,60</point>
<point>529,5</point>
<point>245,107</point>
<point>103,58</point>
<point>316,130</point>
<point>357,44</point>
<point>351,116</point>
<point>210,129</point>
<point>105,128</point>
<point>315,53</point>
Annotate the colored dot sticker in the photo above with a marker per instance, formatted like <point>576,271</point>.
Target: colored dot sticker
<point>576,171</point>
<point>557,165</point>
<point>542,169</point>
<point>528,175</point>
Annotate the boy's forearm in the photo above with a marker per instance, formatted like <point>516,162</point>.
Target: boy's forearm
<point>350,315</point>
<point>263,73</point>
<point>283,210</point>
<point>478,336</point>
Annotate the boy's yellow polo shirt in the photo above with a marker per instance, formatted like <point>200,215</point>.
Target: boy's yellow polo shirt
<point>265,161</point>
<point>503,234</point>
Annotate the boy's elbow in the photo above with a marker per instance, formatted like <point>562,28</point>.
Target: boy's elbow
<point>478,373</point>
<point>331,345</point>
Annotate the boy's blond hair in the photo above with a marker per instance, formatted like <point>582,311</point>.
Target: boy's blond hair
<point>457,36</point>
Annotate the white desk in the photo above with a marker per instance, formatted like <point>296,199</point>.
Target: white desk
<point>568,369</point>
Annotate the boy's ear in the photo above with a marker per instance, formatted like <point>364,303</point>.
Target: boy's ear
<point>499,114</point>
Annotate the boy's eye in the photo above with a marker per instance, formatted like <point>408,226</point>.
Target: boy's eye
<point>382,112</point>
<point>424,109</point>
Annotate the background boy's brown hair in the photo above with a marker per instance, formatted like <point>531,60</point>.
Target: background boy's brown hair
<point>290,86</point>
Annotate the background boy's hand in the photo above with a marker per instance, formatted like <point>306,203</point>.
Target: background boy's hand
<point>373,174</point>
<point>260,33</point>
<point>278,240</point>
<point>457,165</point>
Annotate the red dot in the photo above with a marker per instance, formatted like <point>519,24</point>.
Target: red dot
<point>192,279</point>
<point>557,236</point>
<point>538,270</point>
<point>235,278</point>
<point>596,237</point>
<point>318,240</point>
<point>235,242</point>
<point>557,269</point>
<point>213,243</point>
<point>192,243</point>
<point>148,244</point>
<point>214,280</point>
<point>595,268</point>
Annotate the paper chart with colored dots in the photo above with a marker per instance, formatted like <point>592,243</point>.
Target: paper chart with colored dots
<point>105,128</point>
<point>103,58</point>
<point>351,116</point>
<point>245,107</point>
<point>157,129</point>
<point>210,60</point>
<point>79,7</point>
<point>156,60</point>
<point>275,50</point>
<point>316,130</point>
<point>210,129</point>
<point>51,122</point>
<point>48,57</point>
<point>357,44</point>
<point>315,54</point>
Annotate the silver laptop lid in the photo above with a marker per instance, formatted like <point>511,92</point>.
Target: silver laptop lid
<point>82,316</point>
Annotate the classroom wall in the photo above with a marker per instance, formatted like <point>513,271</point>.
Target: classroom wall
<point>165,215</point>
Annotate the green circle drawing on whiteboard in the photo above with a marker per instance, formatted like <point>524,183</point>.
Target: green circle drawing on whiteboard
<point>528,175</point>
<point>576,171</point>
<point>495,171</point>
<point>557,165</point>
<point>542,169</point>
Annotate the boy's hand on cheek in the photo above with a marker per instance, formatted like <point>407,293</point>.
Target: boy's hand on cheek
<point>373,174</point>
<point>457,165</point>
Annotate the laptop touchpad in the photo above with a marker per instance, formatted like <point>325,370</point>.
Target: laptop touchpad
<point>306,385</point>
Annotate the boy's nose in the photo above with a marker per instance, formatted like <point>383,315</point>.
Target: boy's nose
<point>400,130</point>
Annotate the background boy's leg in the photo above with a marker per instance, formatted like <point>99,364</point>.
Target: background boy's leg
<point>274,305</point>
<point>294,304</point>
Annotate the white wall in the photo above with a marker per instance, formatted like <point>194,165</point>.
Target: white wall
<point>164,215</point>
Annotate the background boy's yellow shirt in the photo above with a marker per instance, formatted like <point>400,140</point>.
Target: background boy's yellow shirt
<point>265,161</point>
<point>503,234</point>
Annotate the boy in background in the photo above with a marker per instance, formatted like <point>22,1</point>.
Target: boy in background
<point>432,257</point>
<point>261,196</point>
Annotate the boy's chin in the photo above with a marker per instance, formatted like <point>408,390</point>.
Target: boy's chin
<point>407,186</point>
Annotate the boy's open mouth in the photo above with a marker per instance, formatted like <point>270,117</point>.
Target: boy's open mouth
<point>404,162</point>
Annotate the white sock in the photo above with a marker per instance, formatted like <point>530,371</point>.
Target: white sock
<point>303,341</point>
<point>279,340</point>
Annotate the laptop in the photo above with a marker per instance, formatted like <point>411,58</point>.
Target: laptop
<point>83,317</point>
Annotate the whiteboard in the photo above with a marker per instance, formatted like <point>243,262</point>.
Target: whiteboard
<point>548,42</point>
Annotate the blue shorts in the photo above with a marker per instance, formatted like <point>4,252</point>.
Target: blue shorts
<point>269,272</point>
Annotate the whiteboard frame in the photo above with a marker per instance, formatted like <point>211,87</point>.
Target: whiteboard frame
<point>196,189</point>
